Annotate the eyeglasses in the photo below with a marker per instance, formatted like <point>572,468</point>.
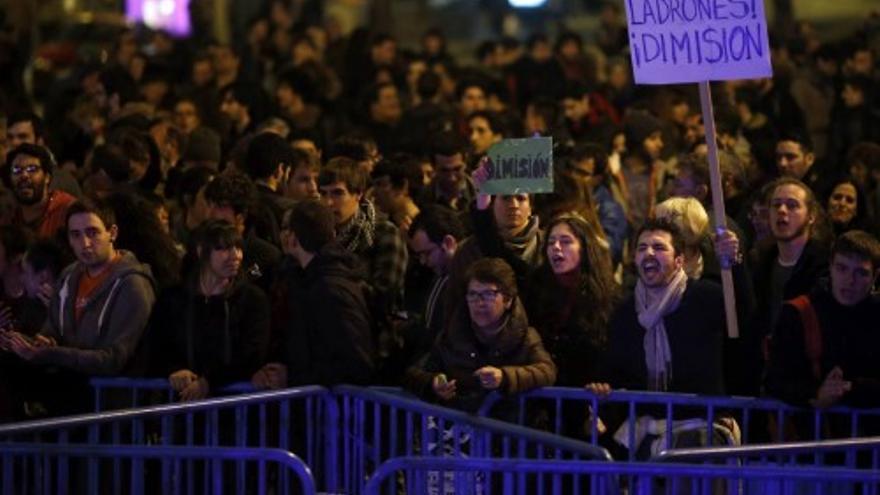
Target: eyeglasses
<point>29,169</point>
<point>488,295</point>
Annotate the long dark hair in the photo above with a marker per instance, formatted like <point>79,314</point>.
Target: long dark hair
<point>141,233</point>
<point>596,292</point>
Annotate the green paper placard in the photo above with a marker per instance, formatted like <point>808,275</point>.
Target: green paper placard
<point>520,166</point>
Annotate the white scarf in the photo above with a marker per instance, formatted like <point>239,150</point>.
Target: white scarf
<point>658,356</point>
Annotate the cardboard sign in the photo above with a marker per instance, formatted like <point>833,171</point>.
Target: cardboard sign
<point>520,166</point>
<point>682,41</point>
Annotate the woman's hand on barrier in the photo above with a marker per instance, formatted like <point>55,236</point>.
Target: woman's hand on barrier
<point>832,389</point>
<point>490,377</point>
<point>197,390</point>
<point>599,388</point>
<point>443,388</point>
<point>271,376</point>
<point>181,379</point>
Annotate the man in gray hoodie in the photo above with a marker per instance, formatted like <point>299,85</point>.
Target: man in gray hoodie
<point>99,312</point>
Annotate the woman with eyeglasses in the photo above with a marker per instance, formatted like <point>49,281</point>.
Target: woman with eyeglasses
<point>487,345</point>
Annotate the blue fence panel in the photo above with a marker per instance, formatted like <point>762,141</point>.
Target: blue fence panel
<point>520,476</point>
<point>379,424</point>
<point>122,392</point>
<point>757,420</point>
<point>61,469</point>
<point>301,420</point>
<point>861,453</point>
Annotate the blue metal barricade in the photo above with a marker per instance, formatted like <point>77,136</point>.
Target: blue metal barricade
<point>636,478</point>
<point>123,392</point>
<point>378,425</point>
<point>861,453</point>
<point>62,469</point>
<point>301,420</point>
<point>752,416</point>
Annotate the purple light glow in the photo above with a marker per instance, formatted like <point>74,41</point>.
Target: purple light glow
<point>168,15</point>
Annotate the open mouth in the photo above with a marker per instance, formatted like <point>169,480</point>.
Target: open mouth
<point>650,267</point>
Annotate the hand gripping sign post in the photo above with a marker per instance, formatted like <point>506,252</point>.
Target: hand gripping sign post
<point>684,41</point>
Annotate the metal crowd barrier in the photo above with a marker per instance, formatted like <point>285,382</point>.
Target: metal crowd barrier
<point>123,392</point>
<point>378,425</point>
<point>519,476</point>
<point>862,453</point>
<point>70,468</point>
<point>302,420</point>
<point>758,420</point>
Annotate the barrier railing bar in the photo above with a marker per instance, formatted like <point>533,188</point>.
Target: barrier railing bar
<point>285,459</point>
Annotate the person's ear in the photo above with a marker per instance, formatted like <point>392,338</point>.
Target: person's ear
<point>449,244</point>
<point>114,232</point>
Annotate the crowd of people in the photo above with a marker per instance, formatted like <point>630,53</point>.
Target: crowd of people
<point>304,207</point>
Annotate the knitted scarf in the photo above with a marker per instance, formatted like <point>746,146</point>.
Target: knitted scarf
<point>658,356</point>
<point>525,244</point>
<point>359,232</point>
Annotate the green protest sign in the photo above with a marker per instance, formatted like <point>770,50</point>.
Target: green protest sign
<point>520,166</point>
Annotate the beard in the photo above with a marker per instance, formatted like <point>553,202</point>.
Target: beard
<point>39,192</point>
<point>802,228</point>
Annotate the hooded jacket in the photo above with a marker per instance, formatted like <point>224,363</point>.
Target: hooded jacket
<point>112,322</point>
<point>223,338</point>
<point>516,350</point>
<point>329,339</point>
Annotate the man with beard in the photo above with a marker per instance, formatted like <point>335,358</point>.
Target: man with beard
<point>29,168</point>
<point>791,266</point>
<point>667,335</point>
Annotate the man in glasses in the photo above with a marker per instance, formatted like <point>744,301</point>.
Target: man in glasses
<point>434,238</point>
<point>29,169</point>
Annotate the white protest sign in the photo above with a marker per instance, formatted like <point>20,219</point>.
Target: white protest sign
<point>682,41</point>
<point>520,166</point>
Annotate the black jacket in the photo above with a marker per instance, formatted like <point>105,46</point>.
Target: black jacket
<point>517,351</point>
<point>224,338</point>
<point>695,330</point>
<point>849,340</point>
<point>329,339</point>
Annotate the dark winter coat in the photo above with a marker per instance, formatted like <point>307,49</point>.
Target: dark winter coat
<point>517,351</point>
<point>329,339</point>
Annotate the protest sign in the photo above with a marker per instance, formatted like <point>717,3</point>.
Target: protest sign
<point>681,41</point>
<point>520,166</point>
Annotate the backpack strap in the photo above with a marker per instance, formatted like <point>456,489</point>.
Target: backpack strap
<point>812,332</point>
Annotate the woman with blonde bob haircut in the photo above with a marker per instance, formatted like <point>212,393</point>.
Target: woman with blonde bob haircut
<point>693,222</point>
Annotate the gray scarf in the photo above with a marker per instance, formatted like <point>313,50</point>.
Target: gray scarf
<point>359,232</point>
<point>658,356</point>
<point>525,244</point>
